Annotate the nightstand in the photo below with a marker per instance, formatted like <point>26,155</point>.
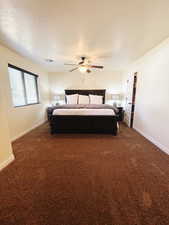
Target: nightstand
<point>120,114</point>
<point>50,111</point>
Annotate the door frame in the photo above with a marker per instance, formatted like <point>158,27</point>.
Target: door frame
<point>133,103</point>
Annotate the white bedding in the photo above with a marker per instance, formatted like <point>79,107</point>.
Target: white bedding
<point>84,112</point>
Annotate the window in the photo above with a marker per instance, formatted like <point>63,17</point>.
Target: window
<point>24,86</point>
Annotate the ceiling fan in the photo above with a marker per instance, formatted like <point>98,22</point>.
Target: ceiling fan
<point>84,66</point>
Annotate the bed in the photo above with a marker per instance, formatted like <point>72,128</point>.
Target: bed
<point>83,118</point>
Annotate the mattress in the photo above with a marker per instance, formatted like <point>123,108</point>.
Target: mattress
<point>84,112</point>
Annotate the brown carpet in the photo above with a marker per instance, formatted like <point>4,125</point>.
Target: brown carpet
<point>85,179</point>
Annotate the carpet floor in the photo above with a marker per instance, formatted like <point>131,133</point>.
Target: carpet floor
<point>85,179</point>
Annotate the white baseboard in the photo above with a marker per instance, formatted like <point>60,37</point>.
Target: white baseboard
<point>27,131</point>
<point>7,162</point>
<point>158,144</point>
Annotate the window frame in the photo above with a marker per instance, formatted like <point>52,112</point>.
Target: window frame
<point>24,86</point>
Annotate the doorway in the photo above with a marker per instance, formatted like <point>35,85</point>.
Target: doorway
<point>130,99</point>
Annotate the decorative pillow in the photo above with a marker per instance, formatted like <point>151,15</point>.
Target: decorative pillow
<point>71,99</point>
<point>83,99</point>
<point>96,99</point>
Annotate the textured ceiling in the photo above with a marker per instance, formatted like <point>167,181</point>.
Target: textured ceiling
<point>109,32</point>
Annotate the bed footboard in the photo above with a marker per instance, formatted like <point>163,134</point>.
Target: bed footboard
<point>83,124</point>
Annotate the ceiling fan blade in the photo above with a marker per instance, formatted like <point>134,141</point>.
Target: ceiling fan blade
<point>80,63</point>
<point>74,69</point>
<point>70,64</point>
<point>98,67</point>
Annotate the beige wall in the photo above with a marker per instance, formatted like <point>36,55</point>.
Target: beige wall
<point>22,119</point>
<point>152,99</point>
<point>6,154</point>
<point>111,81</point>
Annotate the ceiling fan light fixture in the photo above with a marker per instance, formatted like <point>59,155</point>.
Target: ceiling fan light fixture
<point>82,69</point>
<point>88,71</point>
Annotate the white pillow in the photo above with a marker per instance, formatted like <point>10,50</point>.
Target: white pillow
<point>96,99</point>
<point>83,99</point>
<point>71,99</point>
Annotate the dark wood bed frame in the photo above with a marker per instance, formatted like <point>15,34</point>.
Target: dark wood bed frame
<point>84,124</point>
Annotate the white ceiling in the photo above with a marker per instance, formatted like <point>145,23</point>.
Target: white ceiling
<point>110,32</point>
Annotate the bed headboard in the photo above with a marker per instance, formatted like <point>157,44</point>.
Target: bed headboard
<point>101,92</point>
